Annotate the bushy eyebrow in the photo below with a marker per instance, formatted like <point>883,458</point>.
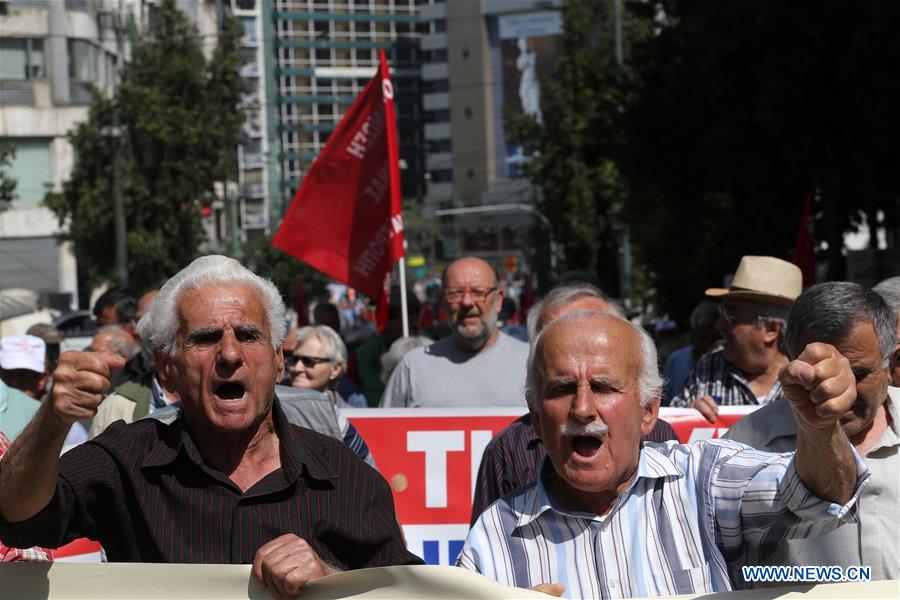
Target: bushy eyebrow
<point>213,334</point>
<point>203,334</point>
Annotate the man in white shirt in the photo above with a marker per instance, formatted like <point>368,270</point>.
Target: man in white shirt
<point>611,517</point>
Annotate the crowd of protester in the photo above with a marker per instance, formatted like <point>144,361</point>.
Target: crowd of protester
<point>198,385</point>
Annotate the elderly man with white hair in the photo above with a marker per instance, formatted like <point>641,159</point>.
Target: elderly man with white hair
<point>612,517</point>
<point>229,480</point>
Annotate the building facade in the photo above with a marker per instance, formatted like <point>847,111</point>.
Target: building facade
<point>482,58</point>
<point>320,55</point>
<point>50,53</point>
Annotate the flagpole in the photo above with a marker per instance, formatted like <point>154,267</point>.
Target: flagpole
<point>402,265</point>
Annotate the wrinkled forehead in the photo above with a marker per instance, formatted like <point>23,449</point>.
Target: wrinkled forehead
<point>599,339</point>
<point>215,302</point>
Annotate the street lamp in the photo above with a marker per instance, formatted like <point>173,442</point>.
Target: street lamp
<point>501,208</point>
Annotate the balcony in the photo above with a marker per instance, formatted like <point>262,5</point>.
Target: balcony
<point>250,70</point>
<point>436,101</point>
<point>433,41</point>
<point>437,131</point>
<point>253,190</point>
<point>435,71</point>
<point>253,161</point>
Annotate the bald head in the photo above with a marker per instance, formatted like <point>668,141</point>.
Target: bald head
<point>116,340</point>
<point>566,299</point>
<point>470,265</point>
<point>472,301</point>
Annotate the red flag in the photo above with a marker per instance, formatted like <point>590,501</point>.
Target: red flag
<point>345,219</point>
<point>804,247</point>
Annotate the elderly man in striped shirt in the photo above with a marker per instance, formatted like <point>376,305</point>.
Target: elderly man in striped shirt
<point>611,517</point>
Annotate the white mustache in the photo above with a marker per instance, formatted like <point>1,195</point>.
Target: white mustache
<point>573,428</point>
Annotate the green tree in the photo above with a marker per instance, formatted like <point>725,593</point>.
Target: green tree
<point>284,270</point>
<point>7,182</point>
<point>180,124</point>
<point>739,109</point>
<point>575,148</point>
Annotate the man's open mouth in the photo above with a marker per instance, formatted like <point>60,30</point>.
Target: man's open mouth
<point>585,445</point>
<point>230,390</point>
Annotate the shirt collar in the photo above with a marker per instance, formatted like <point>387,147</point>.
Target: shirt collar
<point>652,464</point>
<point>890,437</point>
<point>297,457</point>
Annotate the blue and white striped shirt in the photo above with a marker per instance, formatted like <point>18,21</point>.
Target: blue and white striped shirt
<point>691,517</point>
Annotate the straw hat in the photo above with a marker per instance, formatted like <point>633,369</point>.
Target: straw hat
<point>763,278</point>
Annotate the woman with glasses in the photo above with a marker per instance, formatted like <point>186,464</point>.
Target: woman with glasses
<point>317,363</point>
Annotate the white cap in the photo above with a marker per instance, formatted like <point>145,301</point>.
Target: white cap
<point>23,352</point>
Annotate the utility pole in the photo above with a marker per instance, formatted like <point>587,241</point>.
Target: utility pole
<point>118,200</point>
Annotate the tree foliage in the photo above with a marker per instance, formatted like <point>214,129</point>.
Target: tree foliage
<point>576,146</point>
<point>739,110</point>
<point>284,270</point>
<point>7,182</point>
<point>179,129</point>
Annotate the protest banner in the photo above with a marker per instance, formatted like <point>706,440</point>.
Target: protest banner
<point>430,458</point>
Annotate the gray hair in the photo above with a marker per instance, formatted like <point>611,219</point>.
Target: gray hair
<point>826,312</point>
<point>334,345</point>
<point>649,381</point>
<point>159,325</point>
<point>561,296</point>
<point>889,289</point>
<point>123,343</point>
<point>398,350</point>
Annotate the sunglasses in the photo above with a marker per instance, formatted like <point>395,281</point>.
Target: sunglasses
<point>308,361</point>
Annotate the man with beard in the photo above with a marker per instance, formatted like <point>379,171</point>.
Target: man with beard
<point>477,365</point>
<point>752,320</point>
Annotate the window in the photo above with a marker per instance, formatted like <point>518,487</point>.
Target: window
<point>81,60</point>
<point>31,167</point>
<point>22,59</point>
<point>246,4</point>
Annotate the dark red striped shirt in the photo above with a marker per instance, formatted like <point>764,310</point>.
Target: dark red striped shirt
<point>513,458</point>
<point>144,492</point>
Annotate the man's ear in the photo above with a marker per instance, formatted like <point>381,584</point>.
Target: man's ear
<point>649,414</point>
<point>280,373</point>
<point>165,370</point>
<point>773,330</point>
<point>535,421</point>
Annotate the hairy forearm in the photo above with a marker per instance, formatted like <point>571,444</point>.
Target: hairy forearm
<point>825,463</point>
<point>29,469</point>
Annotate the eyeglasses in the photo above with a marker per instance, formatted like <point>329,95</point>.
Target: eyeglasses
<point>308,361</point>
<point>479,295</point>
<point>731,318</point>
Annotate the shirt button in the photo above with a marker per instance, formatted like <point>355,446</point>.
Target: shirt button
<point>613,583</point>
